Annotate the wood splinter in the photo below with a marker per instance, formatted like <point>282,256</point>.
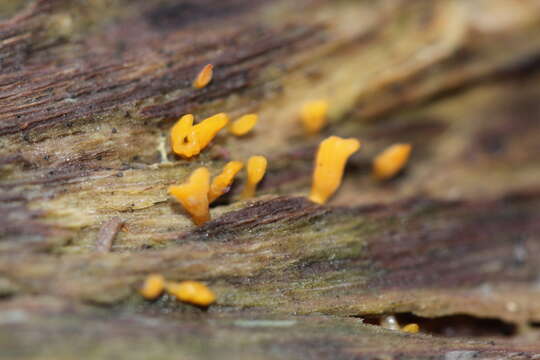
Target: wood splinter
<point>107,233</point>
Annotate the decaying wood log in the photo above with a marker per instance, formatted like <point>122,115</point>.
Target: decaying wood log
<point>236,335</point>
<point>89,91</point>
<point>107,233</point>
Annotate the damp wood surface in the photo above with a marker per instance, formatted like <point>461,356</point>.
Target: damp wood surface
<point>89,92</point>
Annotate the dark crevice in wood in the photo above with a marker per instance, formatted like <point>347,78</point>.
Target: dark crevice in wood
<point>463,326</point>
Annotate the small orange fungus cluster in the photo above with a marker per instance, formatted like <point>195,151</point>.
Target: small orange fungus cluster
<point>256,168</point>
<point>192,292</point>
<point>388,163</point>
<point>334,152</point>
<point>243,125</point>
<point>204,76</point>
<point>221,183</point>
<point>314,115</point>
<point>153,286</point>
<point>196,194</point>
<point>330,162</point>
<point>188,140</point>
<point>193,195</point>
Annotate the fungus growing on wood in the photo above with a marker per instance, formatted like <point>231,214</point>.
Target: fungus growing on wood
<point>388,163</point>
<point>183,139</point>
<point>192,292</point>
<point>222,183</point>
<point>243,125</point>
<point>193,195</point>
<point>204,76</point>
<point>332,155</point>
<point>411,328</point>
<point>314,115</point>
<point>188,140</point>
<point>153,286</point>
<point>256,168</point>
<point>207,129</point>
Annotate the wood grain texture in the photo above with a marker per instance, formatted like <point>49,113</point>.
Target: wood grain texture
<point>89,91</point>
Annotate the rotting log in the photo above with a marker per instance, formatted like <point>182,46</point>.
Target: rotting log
<point>50,323</point>
<point>89,90</point>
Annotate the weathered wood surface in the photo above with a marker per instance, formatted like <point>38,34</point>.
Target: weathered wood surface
<point>88,91</point>
<point>51,329</point>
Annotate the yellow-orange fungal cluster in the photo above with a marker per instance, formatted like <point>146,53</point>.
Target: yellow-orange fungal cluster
<point>256,168</point>
<point>192,292</point>
<point>388,163</point>
<point>196,194</point>
<point>221,183</point>
<point>314,115</point>
<point>332,156</point>
<point>204,76</point>
<point>193,195</point>
<point>153,286</point>
<point>188,140</point>
<point>243,125</point>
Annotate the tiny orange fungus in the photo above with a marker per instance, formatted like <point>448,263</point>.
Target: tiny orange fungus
<point>411,328</point>
<point>189,140</point>
<point>221,183</point>
<point>332,155</point>
<point>256,168</point>
<point>243,125</point>
<point>183,139</point>
<point>388,163</point>
<point>192,292</point>
<point>153,286</point>
<point>193,195</point>
<point>314,115</point>
<point>204,76</point>
<point>207,129</point>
